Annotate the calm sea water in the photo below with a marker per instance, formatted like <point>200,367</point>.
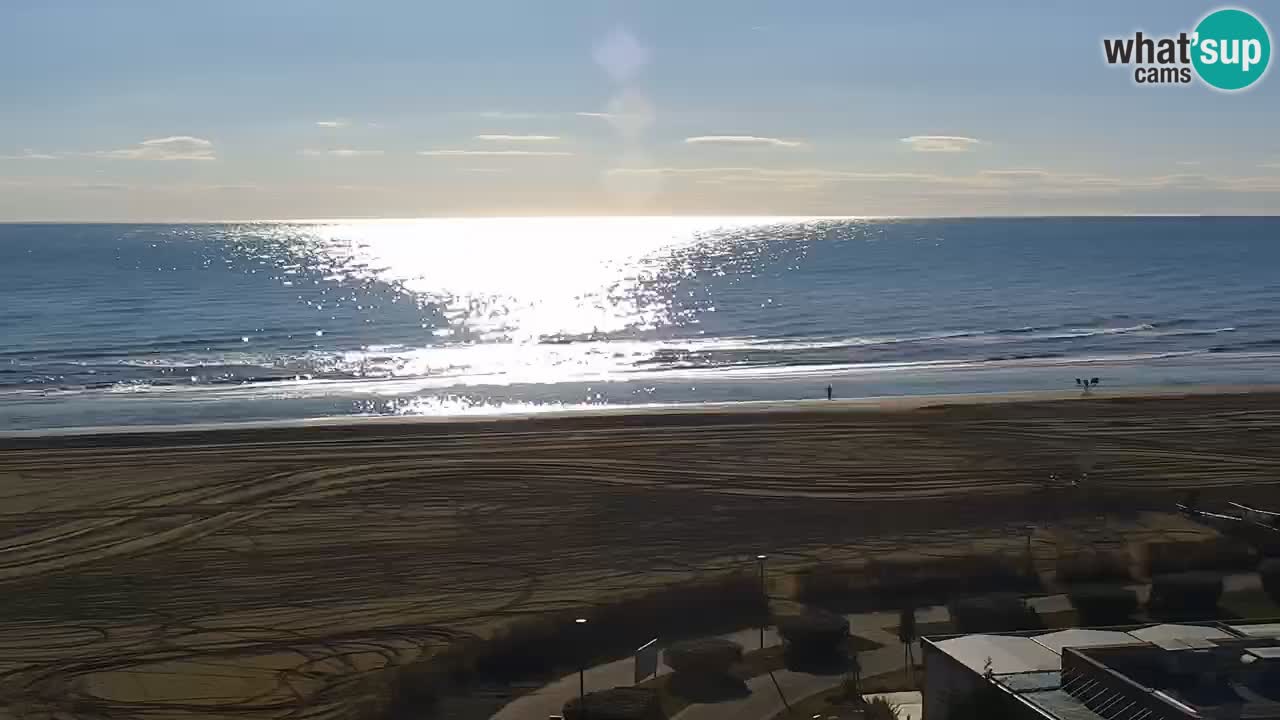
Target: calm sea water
<point>162,324</point>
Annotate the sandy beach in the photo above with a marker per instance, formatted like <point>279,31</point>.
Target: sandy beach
<point>255,571</point>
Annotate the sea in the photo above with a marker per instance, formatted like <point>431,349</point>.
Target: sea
<point>159,325</point>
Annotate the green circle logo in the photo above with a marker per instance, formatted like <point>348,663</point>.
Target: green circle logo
<point>1232,49</point>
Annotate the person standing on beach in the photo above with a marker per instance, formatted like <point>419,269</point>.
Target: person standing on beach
<point>828,391</point>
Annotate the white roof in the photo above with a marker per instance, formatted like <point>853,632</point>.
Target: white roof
<point>1271,630</point>
<point>1083,637</point>
<point>1007,653</point>
<point>1180,637</point>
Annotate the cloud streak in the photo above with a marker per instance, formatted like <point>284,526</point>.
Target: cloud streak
<point>941,143</point>
<point>343,153</point>
<point>505,115</point>
<point>493,153</point>
<point>518,138</point>
<point>332,123</point>
<point>742,140</point>
<point>28,154</point>
<point>176,147</point>
<point>1006,182</point>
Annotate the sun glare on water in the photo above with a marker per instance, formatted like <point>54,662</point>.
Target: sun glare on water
<point>522,280</point>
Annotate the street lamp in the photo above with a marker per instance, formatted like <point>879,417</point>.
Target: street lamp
<point>582,666</point>
<point>764,594</point>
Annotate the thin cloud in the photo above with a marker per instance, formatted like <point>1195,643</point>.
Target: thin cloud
<point>343,153</point>
<point>757,174</point>
<point>332,123</point>
<point>941,143</point>
<point>518,138</point>
<point>241,187</point>
<point>1270,165</point>
<point>1017,174</point>
<point>504,115</point>
<point>742,140</point>
<point>1032,181</point>
<point>100,187</point>
<point>177,147</point>
<point>1188,163</point>
<point>604,115</point>
<point>28,154</point>
<point>493,153</point>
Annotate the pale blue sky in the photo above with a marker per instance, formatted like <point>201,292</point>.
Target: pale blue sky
<point>285,108</point>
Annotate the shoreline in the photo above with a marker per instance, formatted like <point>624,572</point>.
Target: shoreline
<point>480,417</point>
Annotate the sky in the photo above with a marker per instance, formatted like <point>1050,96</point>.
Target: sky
<point>150,110</point>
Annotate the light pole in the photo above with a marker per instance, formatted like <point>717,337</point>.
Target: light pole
<point>764,595</point>
<point>582,667</point>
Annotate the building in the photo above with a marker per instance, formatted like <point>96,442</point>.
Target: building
<point>1153,672</point>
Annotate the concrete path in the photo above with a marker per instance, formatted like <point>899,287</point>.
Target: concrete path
<point>764,702</point>
<point>1049,604</point>
<point>550,699</point>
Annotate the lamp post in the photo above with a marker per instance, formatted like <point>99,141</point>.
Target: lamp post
<point>582,667</point>
<point>764,594</point>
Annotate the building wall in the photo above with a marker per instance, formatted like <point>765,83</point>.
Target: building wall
<point>945,679</point>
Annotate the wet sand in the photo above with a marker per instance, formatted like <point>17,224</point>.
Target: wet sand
<point>256,571</point>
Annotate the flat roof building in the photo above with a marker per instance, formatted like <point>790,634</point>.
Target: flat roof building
<point>1153,672</point>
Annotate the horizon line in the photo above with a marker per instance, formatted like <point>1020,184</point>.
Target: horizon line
<point>717,216</point>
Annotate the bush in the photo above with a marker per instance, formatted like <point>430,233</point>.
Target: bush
<point>1269,571</point>
<point>1214,553</point>
<point>1093,566</point>
<point>617,704</point>
<point>1103,604</point>
<point>885,584</point>
<point>708,656</point>
<point>828,586</point>
<point>542,645</point>
<point>814,633</point>
<point>880,709</point>
<point>1000,612</point>
<point>1190,594</point>
<point>414,688</point>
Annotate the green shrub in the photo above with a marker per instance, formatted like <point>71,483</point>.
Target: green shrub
<point>621,703</point>
<point>829,586</point>
<point>544,644</point>
<point>880,709</point>
<point>707,656</point>
<point>1093,566</point>
<point>1269,571</point>
<point>1189,594</point>
<point>814,633</point>
<point>999,612</point>
<point>416,687</point>
<point>1103,604</point>
<point>1213,553</point>
<point>922,581</point>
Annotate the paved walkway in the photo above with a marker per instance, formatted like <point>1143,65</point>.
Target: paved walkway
<point>550,699</point>
<point>764,703</point>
